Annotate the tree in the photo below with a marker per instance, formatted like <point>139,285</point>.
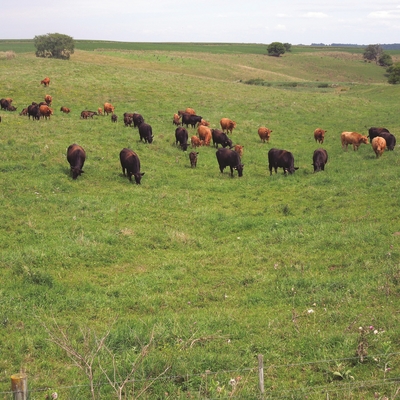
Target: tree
<point>54,45</point>
<point>385,60</point>
<point>276,49</point>
<point>372,52</point>
<point>394,73</point>
<point>287,46</point>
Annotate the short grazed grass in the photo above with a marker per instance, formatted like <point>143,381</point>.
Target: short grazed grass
<point>220,269</point>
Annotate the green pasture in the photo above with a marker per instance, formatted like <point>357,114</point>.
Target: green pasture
<point>210,270</point>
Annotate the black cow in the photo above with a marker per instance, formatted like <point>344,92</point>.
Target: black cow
<point>146,132</point>
<point>128,120</point>
<point>11,108</point>
<point>320,158</point>
<point>33,111</point>
<point>229,158</point>
<point>193,158</point>
<point>114,118</point>
<point>76,157</point>
<point>281,159</point>
<point>131,163</point>
<point>4,104</point>
<point>190,119</point>
<point>390,140</point>
<point>220,137</point>
<point>374,132</point>
<point>181,137</point>
<point>137,120</point>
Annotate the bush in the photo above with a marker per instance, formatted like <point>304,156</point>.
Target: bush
<point>276,49</point>
<point>394,73</point>
<point>54,45</point>
<point>7,55</point>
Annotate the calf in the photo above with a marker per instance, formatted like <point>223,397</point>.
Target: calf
<point>48,99</point>
<point>76,157</point>
<point>88,114</point>
<point>378,144</point>
<point>239,149</point>
<point>131,163</point>
<point>193,158</point>
<point>114,118</point>
<point>45,111</point>
<point>354,138</point>
<point>196,142</point>
<point>229,158</point>
<point>65,110</point>
<point>319,135</point>
<point>264,134</point>
<point>320,158</point>
<point>99,111</point>
<point>45,81</point>
<point>281,159</point>
<point>177,120</point>
<point>146,132</point>
<point>181,137</point>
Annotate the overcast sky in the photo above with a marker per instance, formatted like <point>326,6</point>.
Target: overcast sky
<point>239,21</point>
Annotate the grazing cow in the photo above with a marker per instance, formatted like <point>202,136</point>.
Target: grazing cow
<point>65,110</point>
<point>33,111</point>
<point>390,140</point>
<point>181,137</point>
<point>205,134</point>
<point>76,157</point>
<point>24,111</point>
<point>376,131</point>
<point>88,114</point>
<point>281,159</point>
<point>114,118</point>
<point>131,163</point>
<point>128,120</point>
<point>137,119</point>
<point>204,122</point>
<point>45,81</point>
<point>319,135</point>
<point>11,108</point>
<point>227,125</point>
<point>146,133</point>
<point>99,111</point>
<point>229,158</point>
<point>177,120</point>
<point>4,104</point>
<point>354,138</point>
<point>193,158</point>
<point>264,134</point>
<point>108,108</point>
<point>378,144</point>
<point>190,111</point>
<point>239,149</point>
<point>221,138</point>
<point>190,119</point>
<point>196,142</point>
<point>48,99</point>
<point>45,111</point>
<point>320,158</point>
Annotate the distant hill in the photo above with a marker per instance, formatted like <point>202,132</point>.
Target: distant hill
<point>393,46</point>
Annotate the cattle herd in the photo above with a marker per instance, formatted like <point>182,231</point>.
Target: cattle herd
<point>228,156</point>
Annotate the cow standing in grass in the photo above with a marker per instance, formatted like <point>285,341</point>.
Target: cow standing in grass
<point>131,164</point>
<point>76,157</point>
<point>231,159</point>
<point>281,159</point>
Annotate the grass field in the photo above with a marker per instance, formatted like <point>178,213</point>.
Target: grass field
<point>209,270</point>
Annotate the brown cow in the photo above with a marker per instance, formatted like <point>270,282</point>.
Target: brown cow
<point>45,81</point>
<point>190,111</point>
<point>177,120</point>
<point>108,108</point>
<point>196,142</point>
<point>319,135</point>
<point>193,158</point>
<point>354,138</point>
<point>65,110</point>
<point>239,149</point>
<point>227,125</point>
<point>204,122</point>
<point>205,134</point>
<point>264,134</point>
<point>114,118</point>
<point>24,111</point>
<point>76,157</point>
<point>378,144</point>
<point>48,99</point>
<point>45,111</point>
<point>100,111</point>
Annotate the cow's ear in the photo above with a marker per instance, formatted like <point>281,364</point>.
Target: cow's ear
<point>142,173</point>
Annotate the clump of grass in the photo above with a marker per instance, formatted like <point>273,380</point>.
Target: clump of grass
<point>7,55</point>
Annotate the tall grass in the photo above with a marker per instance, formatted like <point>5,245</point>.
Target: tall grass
<point>219,268</point>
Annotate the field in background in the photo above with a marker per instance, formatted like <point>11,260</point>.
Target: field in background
<point>218,269</point>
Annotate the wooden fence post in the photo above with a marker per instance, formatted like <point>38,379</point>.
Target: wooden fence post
<point>19,386</point>
<point>261,373</point>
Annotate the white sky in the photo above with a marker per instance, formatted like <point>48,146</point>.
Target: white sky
<point>231,21</point>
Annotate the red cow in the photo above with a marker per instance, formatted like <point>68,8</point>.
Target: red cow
<point>239,149</point>
<point>108,108</point>
<point>205,134</point>
<point>45,81</point>
<point>45,111</point>
<point>48,99</point>
<point>177,120</point>
<point>65,110</point>
<point>227,125</point>
<point>354,138</point>
<point>319,135</point>
<point>264,133</point>
<point>196,142</point>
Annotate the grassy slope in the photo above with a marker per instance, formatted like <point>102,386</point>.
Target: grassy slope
<point>201,258</point>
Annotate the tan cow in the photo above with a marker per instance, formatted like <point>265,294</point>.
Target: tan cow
<point>65,110</point>
<point>204,122</point>
<point>205,134</point>
<point>100,111</point>
<point>190,111</point>
<point>378,144</point>
<point>177,120</point>
<point>264,134</point>
<point>48,99</point>
<point>227,125</point>
<point>45,111</point>
<point>196,142</point>
<point>354,138</point>
<point>108,108</point>
<point>45,81</point>
<point>319,135</point>
<point>239,149</point>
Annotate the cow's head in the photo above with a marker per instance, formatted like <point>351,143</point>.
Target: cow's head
<point>239,169</point>
<point>76,172</point>
<point>138,177</point>
<point>150,139</point>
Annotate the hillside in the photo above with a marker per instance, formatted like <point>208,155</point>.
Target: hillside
<point>209,270</point>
